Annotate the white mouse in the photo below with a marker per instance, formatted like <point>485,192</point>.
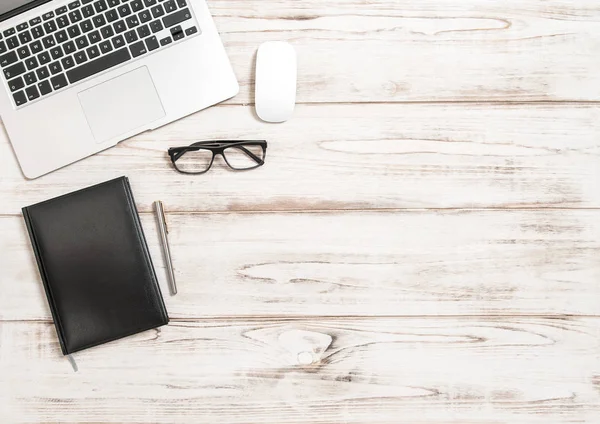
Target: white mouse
<point>276,74</point>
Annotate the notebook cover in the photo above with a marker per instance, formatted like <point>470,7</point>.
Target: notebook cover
<point>95,265</point>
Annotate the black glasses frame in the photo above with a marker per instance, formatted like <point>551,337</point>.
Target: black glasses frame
<point>218,148</point>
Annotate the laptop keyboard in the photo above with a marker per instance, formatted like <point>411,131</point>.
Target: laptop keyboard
<point>86,37</point>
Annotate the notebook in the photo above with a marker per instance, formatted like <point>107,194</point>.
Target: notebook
<point>95,265</point>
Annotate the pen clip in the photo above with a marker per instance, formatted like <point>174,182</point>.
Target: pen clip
<point>164,217</point>
<point>161,210</point>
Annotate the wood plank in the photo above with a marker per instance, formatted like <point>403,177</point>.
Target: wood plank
<point>524,370</point>
<point>402,50</point>
<point>363,263</point>
<point>354,157</point>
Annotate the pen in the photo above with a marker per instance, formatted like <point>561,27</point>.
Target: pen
<point>162,229</point>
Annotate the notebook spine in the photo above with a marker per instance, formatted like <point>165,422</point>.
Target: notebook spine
<point>142,239</point>
<point>43,274</point>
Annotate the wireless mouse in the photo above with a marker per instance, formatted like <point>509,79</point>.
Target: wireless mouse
<point>276,74</point>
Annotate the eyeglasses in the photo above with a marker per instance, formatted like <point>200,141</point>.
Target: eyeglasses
<point>197,158</point>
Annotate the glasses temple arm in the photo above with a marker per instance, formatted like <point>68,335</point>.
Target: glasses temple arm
<point>252,155</point>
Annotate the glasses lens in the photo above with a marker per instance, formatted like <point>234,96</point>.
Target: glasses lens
<point>244,156</point>
<point>194,161</point>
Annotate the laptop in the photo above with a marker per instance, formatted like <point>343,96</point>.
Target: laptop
<point>80,76</point>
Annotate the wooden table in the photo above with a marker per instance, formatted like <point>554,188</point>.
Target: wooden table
<point>422,246</point>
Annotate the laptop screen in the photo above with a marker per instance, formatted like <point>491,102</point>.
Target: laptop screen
<point>10,8</point>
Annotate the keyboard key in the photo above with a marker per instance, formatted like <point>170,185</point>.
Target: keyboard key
<point>166,41</point>
<point>61,10</point>
<point>14,70</point>
<point>99,21</point>
<point>152,43</point>
<point>48,15</point>
<point>181,3</point>
<point>131,36</point>
<point>32,93</point>
<point>59,82</point>
<point>88,1</point>
<point>36,47</point>
<point>100,6</point>
<point>75,16</point>
<point>177,33</point>
<point>156,26</point>
<point>87,11</point>
<point>105,46</point>
<point>68,62</point>
<point>31,63</point>
<point>3,48</point>
<point>157,11</point>
<point>145,16</point>
<point>136,5</point>
<point>74,31</point>
<point>74,5</point>
<point>23,52</point>
<point>45,87</point>
<point>120,27</point>
<point>132,21</point>
<point>20,98</point>
<point>112,15</point>
<point>138,49</point>
<point>107,32</point>
<point>55,68</point>
<point>48,42</point>
<point>149,3</point>
<point>94,37</point>
<point>69,47</point>
<point>30,78</point>
<point>23,26</point>
<point>43,58</point>
<point>170,6</point>
<point>96,66</point>
<point>82,42</point>
<point>38,32</point>
<point>124,10</point>
<point>62,21</point>
<point>118,41</point>
<point>93,52</point>
<point>8,59</point>
<point>16,84</point>
<point>9,32</point>
<point>86,26</point>
<point>25,37</point>
<point>191,31</point>
<point>177,18</point>
<point>80,57</point>
<point>42,73</point>
<point>35,21</point>
<point>143,31</point>
<point>113,3</point>
<point>12,43</point>
<point>50,27</point>
<point>61,36</point>
<point>56,52</point>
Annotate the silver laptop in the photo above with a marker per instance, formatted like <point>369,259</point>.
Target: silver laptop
<point>81,76</point>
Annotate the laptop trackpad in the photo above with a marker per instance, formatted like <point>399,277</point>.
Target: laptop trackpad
<point>122,104</point>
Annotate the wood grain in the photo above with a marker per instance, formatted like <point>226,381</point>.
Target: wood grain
<point>421,246</point>
<point>434,50</point>
<point>300,371</point>
<point>363,263</point>
<point>355,157</point>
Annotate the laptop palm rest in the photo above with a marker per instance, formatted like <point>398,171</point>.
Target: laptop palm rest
<point>122,104</point>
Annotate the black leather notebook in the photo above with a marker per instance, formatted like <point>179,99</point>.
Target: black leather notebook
<point>95,265</point>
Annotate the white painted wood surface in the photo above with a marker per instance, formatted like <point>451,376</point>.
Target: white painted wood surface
<point>421,247</point>
<point>417,370</point>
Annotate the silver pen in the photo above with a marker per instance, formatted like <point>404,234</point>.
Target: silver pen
<point>164,241</point>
